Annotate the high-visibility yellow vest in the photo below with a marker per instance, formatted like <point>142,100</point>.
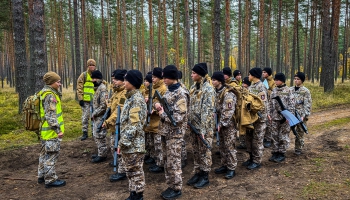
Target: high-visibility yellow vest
<point>46,132</point>
<point>88,88</point>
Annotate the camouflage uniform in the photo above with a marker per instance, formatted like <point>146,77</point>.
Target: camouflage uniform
<point>100,106</point>
<point>225,108</point>
<point>118,98</point>
<point>50,149</point>
<point>149,136</point>
<point>271,83</point>
<point>159,146</point>
<point>202,98</point>
<point>132,139</point>
<point>178,102</point>
<point>87,106</point>
<point>183,146</point>
<point>254,140</point>
<point>281,128</point>
<point>303,104</point>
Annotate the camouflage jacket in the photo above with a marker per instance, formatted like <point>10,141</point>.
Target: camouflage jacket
<point>271,83</point>
<point>225,104</point>
<point>202,100</point>
<point>100,101</point>
<point>132,120</point>
<point>288,101</point>
<point>260,90</point>
<point>49,104</point>
<point>80,85</point>
<point>303,101</point>
<point>178,102</point>
<point>118,98</point>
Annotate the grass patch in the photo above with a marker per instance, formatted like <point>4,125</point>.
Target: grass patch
<point>321,189</point>
<point>287,174</point>
<point>329,124</point>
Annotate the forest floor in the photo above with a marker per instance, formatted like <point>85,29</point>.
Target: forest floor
<point>321,172</point>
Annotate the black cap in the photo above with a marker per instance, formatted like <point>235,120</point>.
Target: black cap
<point>134,77</point>
<point>179,74</point>
<point>256,72</point>
<point>200,69</point>
<point>157,72</point>
<point>96,74</point>
<point>170,72</point>
<point>236,73</point>
<point>268,70</point>
<point>227,71</point>
<point>119,74</point>
<point>300,75</point>
<point>246,81</point>
<point>280,77</point>
<point>219,76</point>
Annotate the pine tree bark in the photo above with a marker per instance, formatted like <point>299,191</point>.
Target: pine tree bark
<point>279,20</point>
<point>216,32</point>
<point>188,37</point>
<point>227,34</point>
<point>151,33</point>
<point>295,29</point>
<point>261,38</point>
<point>77,40</point>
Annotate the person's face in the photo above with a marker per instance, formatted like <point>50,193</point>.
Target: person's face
<point>56,85</point>
<point>155,79</point>
<point>226,77</point>
<point>94,80</point>
<point>245,85</point>
<point>265,74</point>
<point>250,77</point>
<point>145,83</point>
<point>168,81</point>
<point>297,81</point>
<point>128,86</point>
<point>195,77</point>
<point>278,82</point>
<point>238,77</point>
<point>216,83</point>
<point>92,68</point>
<point>117,82</point>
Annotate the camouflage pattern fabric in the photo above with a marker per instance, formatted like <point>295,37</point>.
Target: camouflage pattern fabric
<point>280,136</point>
<point>85,116</point>
<point>254,141</point>
<point>228,147</point>
<point>159,149</point>
<point>202,100</point>
<point>172,167</point>
<point>134,171</point>
<point>268,132</point>
<point>183,151</point>
<point>49,153</point>
<point>149,144</point>
<point>260,90</point>
<point>299,141</point>
<point>118,99</point>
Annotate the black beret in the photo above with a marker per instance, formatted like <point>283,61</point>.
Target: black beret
<point>119,74</point>
<point>280,77</point>
<point>134,77</point>
<point>246,81</point>
<point>227,71</point>
<point>268,70</point>
<point>300,75</point>
<point>236,73</point>
<point>219,76</point>
<point>256,72</point>
<point>179,74</point>
<point>96,74</point>
<point>200,69</point>
<point>157,72</point>
<point>170,72</point>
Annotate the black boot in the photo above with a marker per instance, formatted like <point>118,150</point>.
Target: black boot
<point>171,194</point>
<point>183,164</point>
<point>254,165</point>
<point>249,161</point>
<point>41,180</point>
<point>149,160</point>
<point>56,183</point>
<point>230,174</point>
<point>99,159</point>
<point>84,136</point>
<point>194,179</point>
<point>267,144</point>
<point>93,156</point>
<point>203,180</point>
<point>280,158</point>
<point>242,146</point>
<point>274,156</point>
<point>221,170</point>
<point>117,177</point>
<point>131,197</point>
<point>156,169</point>
<point>138,196</point>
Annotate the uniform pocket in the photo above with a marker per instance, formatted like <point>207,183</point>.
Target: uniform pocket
<point>134,114</point>
<point>52,146</point>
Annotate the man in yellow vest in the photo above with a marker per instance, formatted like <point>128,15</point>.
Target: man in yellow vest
<point>85,93</point>
<point>51,131</point>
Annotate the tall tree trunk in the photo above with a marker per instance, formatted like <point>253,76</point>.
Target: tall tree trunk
<point>279,20</point>
<point>295,29</point>
<point>216,36</point>
<point>85,40</point>
<point>346,40</point>
<point>72,44</point>
<point>239,60</point>
<point>20,50</point>
<point>199,31</point>
<point>227,34</point>
<point>151,33</point>
<point>125,37</point>
<point>188,38</point>
<point>77,40</point>
<point>261,37</point>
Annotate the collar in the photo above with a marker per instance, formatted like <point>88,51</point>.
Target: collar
<point>130,93</point>
<point>174,87</point>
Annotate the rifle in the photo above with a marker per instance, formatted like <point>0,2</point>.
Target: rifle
<point>105,116</point>
<point>150,104</point>
<point>168,111</point>
<point>303,126</point>
<point>217,128</point>
<point>117,132</point>
<point>199,135</point>
<point>293,121</point>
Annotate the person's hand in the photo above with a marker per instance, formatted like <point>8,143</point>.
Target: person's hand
<point>60,135</point>
<point>81,103</point>
<point>146,100</point>
<point>157,105</point>
<point>268,116</point>
<point>118,151</point>
<point>218,129</point>
<point>104,125</point>
<point>160,110</point>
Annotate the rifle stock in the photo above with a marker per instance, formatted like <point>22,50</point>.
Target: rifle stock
<point>105,116</point>
<point>217,128</point>
<point>168,111</point>
<point>117,132</point>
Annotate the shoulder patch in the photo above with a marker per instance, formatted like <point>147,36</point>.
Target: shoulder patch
<point>262,96</point>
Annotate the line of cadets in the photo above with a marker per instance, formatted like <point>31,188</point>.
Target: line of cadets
<point>162,144</point>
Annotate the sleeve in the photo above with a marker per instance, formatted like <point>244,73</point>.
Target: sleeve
<point>103,103</point>
<point>263,94</point>
<point>228,109</point>
<point>291,102</point>
<point>179,110</point>
<point>113,117</point>
<point>307,104</point>
<point>50,103</point>
<point>129,132</point>
<point>207,110</point>
<point>80,86</point>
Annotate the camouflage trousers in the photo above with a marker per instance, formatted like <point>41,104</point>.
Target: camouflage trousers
<point>134,171</point>
<point>280,136</point>
<point>49,152</point>
<point>254,140</point>
<point>183,150</point>
<point>242,139</point>
<point>228,147</point>
<point>201,154</point>
<point>121,165</point>
<point>149,143</point>
<point>85,116</point>
<point>268,132</point>
<point>299,141</point>
<point>100,138</point>
<point>172,165</point>
<point>159,147</point>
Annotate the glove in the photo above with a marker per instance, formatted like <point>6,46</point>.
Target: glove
<point>81,103</point>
